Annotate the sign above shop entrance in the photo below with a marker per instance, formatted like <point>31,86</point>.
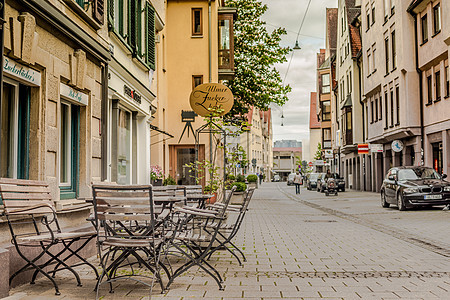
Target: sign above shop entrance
<point>70,94</point>
<point>210,97</point>
<point>132,94</point>
<point>21,73</point>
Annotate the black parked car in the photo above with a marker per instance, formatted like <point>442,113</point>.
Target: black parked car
<point>408,187</point>
<point>311,181</point>
<point>340,182</point>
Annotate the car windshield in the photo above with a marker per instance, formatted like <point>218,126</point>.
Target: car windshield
<point>417,174</point>
<point>314,176</point>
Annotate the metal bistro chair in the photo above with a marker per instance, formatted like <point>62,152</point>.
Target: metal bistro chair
<point>227,231</point>
<point>33,223</point>
<point>128,222</point>
<point>195,244</point>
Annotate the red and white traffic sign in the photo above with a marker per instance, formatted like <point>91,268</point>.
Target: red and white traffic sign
<point>310,164</point>
<point>363,148</point>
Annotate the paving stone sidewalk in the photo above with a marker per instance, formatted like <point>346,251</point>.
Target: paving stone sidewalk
<point>294,251</point>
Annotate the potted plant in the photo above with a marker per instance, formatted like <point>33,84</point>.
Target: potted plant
<point>238,195</point>
<point>169,181</point>
<point>214,183</point>
<point>252,180</point>
<point>156,175</point>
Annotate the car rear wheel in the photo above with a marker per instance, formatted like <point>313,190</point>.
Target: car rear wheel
<point>400,203</point>
<point>383,200</point>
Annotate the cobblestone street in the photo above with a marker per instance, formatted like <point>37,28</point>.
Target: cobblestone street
<point>308,246</point>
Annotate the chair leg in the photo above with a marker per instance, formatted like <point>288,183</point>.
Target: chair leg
<point>33,264</point>
<point>55,257</point>
<point>75,253</point>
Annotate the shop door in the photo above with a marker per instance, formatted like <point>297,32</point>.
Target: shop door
<point>437,157</point>
<point>69,150</point>
<point>180,157</point>
<point>124,147</point>
<point>15,128</point>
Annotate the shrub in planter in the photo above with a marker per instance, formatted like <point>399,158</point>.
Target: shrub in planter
<point>238,197</point>
<point>240,186</point>
<point>169,181</point>
<point>231,177</point>
<point>240,178</point>
<point>252,178</point>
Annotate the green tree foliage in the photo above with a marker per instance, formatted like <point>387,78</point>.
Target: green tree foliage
<point>318,155</point>
<point>256,51</point>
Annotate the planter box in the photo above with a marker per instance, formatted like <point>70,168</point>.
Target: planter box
<point>157,182</point>
<point>237,198</point>
<point>253,184</point>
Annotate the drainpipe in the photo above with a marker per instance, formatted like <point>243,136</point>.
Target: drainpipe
<point>209,41</point>
<point>419,72</point>
<point>104,122</point>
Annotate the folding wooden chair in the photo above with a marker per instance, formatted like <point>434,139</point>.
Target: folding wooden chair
<point>128,222</point>
<point>195,244</point>
<point>33,223</point>
<point>227,231</point>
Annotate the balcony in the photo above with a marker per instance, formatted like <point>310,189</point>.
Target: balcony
<point>348,138</point>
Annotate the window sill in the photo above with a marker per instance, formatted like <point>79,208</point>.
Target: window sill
<point>83,14</point>
<point>374,71</point>
<point>386,75</point>
<point>391,126</point>
<point>437,100</point>
<point>122,41</point>
<point>386,19</point>
<point>142,64</point>
<point>394,69</point>
<point>196,36</point>
<point>446,97</point>
<point>397,124</point>
<point>428,103</point>
<point>369,75</point>
<point>424,42</point>
<point>436,33</point>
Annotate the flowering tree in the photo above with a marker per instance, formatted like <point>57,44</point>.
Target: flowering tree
<point>256,51</point>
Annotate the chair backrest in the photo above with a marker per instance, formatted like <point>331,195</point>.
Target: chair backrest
<point>166,196</point>
<point>117,206</point>
<point>26,202</point>
<point>193,189</point>
<point>247,198</point>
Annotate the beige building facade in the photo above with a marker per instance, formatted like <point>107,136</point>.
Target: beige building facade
<point>391,88</point>
<point>196,47</point>
<point>54,78</point>
<point>349,93</point>
<point>432,40</point>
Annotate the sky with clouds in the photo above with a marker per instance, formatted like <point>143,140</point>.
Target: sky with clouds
<point>302,71</point>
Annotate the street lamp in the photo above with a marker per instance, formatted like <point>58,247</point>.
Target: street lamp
<point>296,47</point>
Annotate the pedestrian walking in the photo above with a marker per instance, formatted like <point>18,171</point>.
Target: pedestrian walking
<point>297,182</point>
<point>261,177</point>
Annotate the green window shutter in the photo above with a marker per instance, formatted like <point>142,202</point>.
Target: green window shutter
<point>132,25</point>
<point>111,13</point>
<point>99,11</point>
<point>150,53</point>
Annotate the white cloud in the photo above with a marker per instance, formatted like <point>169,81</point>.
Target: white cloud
<point>302,71</point>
